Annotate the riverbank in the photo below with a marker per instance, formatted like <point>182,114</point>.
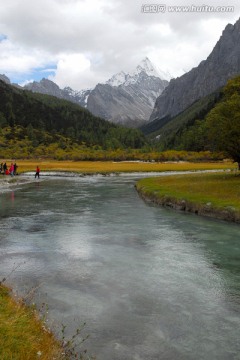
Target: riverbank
<point>106,167</point>
<point>25,341</point>
<point>215,195</point>
<point>8,183</point>
<point>23,336</point>
<point>84,168</point>
<point>83,269</point>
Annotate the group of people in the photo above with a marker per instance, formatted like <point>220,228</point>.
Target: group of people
<point>12,170</point>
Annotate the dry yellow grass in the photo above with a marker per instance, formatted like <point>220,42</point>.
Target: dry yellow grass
<point>22,335</point>
<point>90,167</point>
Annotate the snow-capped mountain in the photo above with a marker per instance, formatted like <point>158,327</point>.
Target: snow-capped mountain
<point>78,96</point>
<point>117,79</point>
<point>126,98</point>
<point>152,70</point>
<point>145,66</point>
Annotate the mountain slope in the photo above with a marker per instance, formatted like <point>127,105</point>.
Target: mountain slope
<point>47,113</point>
<point>222,64</point>
<point>129,103</point>
<point>48,87</point>
<point>126,98</point>
<point>170,134</point>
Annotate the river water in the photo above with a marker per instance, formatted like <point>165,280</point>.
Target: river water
<point>150,283</point>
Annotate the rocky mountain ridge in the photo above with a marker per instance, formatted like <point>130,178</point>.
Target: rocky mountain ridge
<point>222,64</point>
<point>128,98</point>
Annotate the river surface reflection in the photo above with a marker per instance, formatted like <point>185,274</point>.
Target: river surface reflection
<point>150,283</point>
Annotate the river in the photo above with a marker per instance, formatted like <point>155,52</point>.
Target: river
<point>150,283</point>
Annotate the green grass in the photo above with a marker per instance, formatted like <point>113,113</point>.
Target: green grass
<point>218,191</point>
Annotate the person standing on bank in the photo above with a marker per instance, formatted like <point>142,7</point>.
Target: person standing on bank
<point>11,170</point>
<point>15,168</point>
<point>37,172</point>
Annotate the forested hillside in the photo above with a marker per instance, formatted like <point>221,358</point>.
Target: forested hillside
<point>211,124</point>
<point>39,120</point>
<point>183,130</point>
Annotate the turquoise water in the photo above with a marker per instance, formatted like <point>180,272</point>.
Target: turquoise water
<point>150,283</point>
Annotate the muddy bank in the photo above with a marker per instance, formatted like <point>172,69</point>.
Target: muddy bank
<point>227,214</point>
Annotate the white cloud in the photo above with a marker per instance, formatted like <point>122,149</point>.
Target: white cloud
<point>15,59</point>
<point>89,40</point>
<point>74,70</point>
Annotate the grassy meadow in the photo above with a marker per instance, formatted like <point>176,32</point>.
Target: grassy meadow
<point>105,167</point>
<point>208,194</point>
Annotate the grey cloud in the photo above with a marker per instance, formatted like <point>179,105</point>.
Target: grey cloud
<point>115,32</point>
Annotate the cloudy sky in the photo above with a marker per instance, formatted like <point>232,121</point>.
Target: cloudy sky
<point>79,43</point>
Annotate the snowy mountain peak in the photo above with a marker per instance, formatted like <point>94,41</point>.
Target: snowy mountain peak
<point>145,66</point>
<point>117,79</point>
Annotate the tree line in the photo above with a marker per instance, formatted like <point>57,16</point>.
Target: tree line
<point>42,117</point>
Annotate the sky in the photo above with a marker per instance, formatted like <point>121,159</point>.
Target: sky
<point>80,43</point>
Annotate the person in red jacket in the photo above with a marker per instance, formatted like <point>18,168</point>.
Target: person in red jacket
<point>11,170</point>
<point>37,172</point>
